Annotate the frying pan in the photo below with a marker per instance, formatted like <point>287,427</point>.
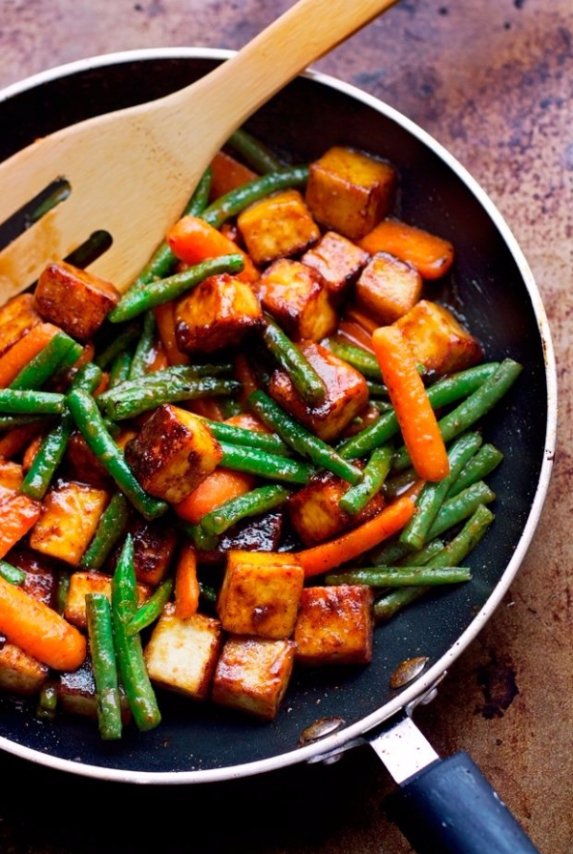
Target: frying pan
<point>491,287</point>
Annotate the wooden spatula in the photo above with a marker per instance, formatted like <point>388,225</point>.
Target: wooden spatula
<point>132,171</point>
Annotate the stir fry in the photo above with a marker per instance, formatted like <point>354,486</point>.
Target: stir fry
<point>266,447</point>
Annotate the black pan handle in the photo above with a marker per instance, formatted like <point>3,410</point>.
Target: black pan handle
<point>450,808</point>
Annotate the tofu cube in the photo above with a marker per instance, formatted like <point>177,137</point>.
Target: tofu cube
<point>216,314</point>
<point>82,464</point>
<point>335,625</point>
<point>260,594</point>
<point>182,653</point>
<point>295,296</point>
<point>337,261</point>
<point>349,191</point>
<point>41,580</point>
<point>82,583</point>
<point>388,288</point>
<point>18,514</point>
<point>154,545</point>
<point>346,393</point>
<point>173,453</point>
<point>315,511</point>
<point>17,317</point>
<point>438,340</point>
<point>253,674</point>
<point>68,521</point>
<point>19,672</point>
<point>75,300</point>
<point>77,691</point>
<point>277,226</point>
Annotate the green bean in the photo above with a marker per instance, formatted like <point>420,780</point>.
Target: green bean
<point>303,441</point>
<point>362,360</point>
<point>43,366</point>
<point>87,417</point>
<point>47,702</point>
<point>423,555</point>
<point>128,404</point>
<point>401,576</point>
<point>254,153</point>
<point>252,503</point>
<point>473,408</point>
<point>159,379</point>
<point>12,574</point>
<point>202,540</point>
<point>376,389</point>
<point>63,586</point>
<point>149,612</point>
<point>269,442</point>
<point>119,369</point>
<point>432,495</point>
<point>291,359</point>
<point>133,672</point>
<point>485,461</point>
<point>144,348</point>
<point>119,343</point>
<point>208,593</point>
<point>263,464</point>
<point>460,507</point>
<point>27,402</point>
<point>445,391</point>
<point>373,477</point>
<point>111,527</point>
<point>9,422</point>
<point>137,300</point>
<point>237,200</point>
<point>100,633</point>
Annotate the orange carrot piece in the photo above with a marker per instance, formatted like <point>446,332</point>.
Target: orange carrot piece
<point>186,583</point>
<point>326,556</point>
<point>87,355</point>
<point>355,315</point>
<point>207,407</point>
<point>20,353</point>
<point>39,630</point>
<point>245,374</point>
<point>165,319</point>
<point>158,359</point>
<point>431,256</point>
<point>408,396</point>
<point>247,422</point>
<point>220,486</point>
<point>15,440</point>
<point>228,174</point>
<point>31,451</point>
<point>18,513</point>
<point>193,240</point>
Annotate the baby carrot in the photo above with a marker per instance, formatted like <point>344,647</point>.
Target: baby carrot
<point>165,319</point>
<point>326,556</point>
<point>193,240</point>
<point>24,350</point>
<point>408,396</point>
<point>186,583</point>
<point>220,486</point>
<point>39,630</point>
<point>431,256</point>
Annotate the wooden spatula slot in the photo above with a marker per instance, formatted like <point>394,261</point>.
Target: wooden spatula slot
<point>32,212</point>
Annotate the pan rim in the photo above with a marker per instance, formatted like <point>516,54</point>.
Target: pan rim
<point>345,736</point>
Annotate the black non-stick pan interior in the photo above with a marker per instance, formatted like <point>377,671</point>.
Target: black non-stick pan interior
<point>487,288</point>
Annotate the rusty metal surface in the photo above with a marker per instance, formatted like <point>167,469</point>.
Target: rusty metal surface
<point>493,81</point>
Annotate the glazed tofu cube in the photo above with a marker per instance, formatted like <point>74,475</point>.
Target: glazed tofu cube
<point>83,465</point>
<point>388,288</point>
<point>18,514</point>
<point>82,583</point>
<point>41,580</point>
<point>11,475</point>
<point>315,511</point>
<point>154,546</point>
<point>295,296</point>
<point>346,393</point>
<point>430,255</point>
<point>17,317</point>
<point>173,453</point>
<point>77,691</point>
<point>335,625</point>
<point>181,654</point>
<point>260,594</point>
<point>438,340</point>
<point>253,674</point>
<point>218,313</point>
<point>277,226</point>
<point>74,299</point>
<point>19,672</point>
<point>349,191</point>
<point>337,261</point>
<point>68,521</point>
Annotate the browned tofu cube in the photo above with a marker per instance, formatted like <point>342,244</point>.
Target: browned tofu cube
<point>346,393</point>
<point>70,515</point>
<point>11,475</point>
<point>260,594</point>
<point>388,288</point>
<point>154,546</point>
<point>82,583</point>
<point>182,653</point>
<point>277,226</point>
<point>19,672</point>
<point>315,511</point>
<point>253,674</point>
<point>77,693</point>
<point>17,317</point>
<point>335,625</point>
<point>18,514</point>
<point>337,261</point>
<point>349,191</point>
<point>82,464</point>
<point>74,299</point>
<point>294,295</point>
<point>173,453</point>
<point>41,580</point>
<point>438,340</point>
<point>218,313</point>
